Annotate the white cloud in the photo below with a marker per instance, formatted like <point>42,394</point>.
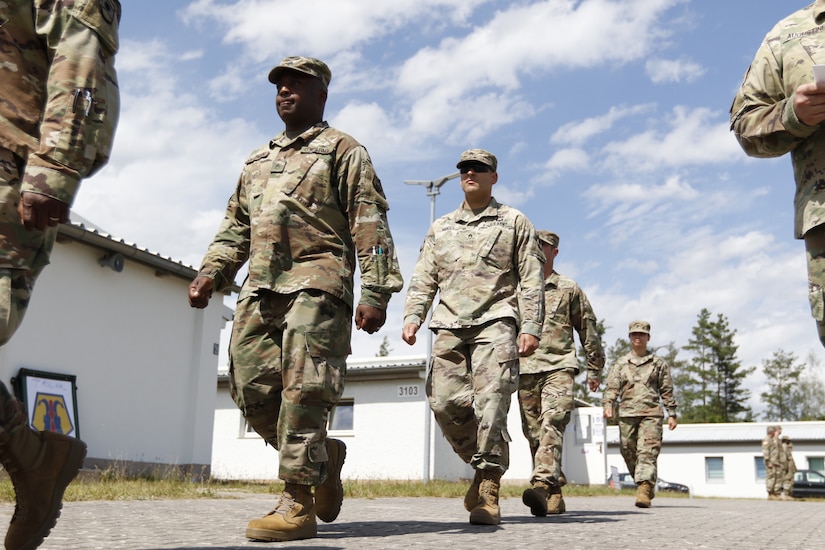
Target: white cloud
<point>662,71</point>
<point>568,159</point>
<point>268,28</point>
<point>579,131</point>
<point>695,136</point>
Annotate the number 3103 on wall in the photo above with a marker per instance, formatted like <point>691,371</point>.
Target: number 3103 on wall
<point>408,391</point>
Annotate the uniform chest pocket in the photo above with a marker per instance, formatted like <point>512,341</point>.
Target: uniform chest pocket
<point>305,177</point>
<point>496,250</point>
<point>552,303</point>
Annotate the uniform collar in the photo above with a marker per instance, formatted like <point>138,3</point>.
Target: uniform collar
<point>466,214</point>
<point>281,140</point>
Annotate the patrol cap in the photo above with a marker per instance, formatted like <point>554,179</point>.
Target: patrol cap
<point>478,155</point>
<point>547,237</point>
<point>307,65</point>
<point>639,326</point>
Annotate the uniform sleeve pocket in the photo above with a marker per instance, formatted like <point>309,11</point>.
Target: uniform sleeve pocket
<point>816,299</point>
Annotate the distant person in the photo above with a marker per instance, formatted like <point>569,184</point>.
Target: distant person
<point>789,469</point>
<point>770,456</point>
<point>640,382</point>
<point>59,106</point>
<point>477,258</point>
<point>779,109</point>
<point>307,207</point>
<point>546,380</point>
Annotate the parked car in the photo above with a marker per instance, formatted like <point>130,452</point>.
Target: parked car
<point>626,482</point>
<point>808,483</point>
<point>662,485</point>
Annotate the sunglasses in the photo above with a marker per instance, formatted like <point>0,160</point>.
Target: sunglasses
<point>476,167</point>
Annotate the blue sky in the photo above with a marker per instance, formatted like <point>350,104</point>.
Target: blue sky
<point>609,119</point>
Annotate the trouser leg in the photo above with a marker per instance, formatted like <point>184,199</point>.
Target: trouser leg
<point>546,402</point>
<point>288,366</point>
<point>474,373</point>
<point>815,255</point>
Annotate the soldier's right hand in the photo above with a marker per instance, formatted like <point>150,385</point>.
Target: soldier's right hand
<point>200,291</point>
<point>809,103</point>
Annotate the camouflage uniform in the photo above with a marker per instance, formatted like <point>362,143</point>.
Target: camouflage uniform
<point>638,383</point>
<point>59,109</point>
<point>790,466</point>
<point>546,377</point>
<point>476,262</point>
<point>59,106</point>
<point>763,118</point>
<point>303,210</point>
<point>771,460</point>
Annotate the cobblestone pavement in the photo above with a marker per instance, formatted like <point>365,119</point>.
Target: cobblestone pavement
<point>590,522</point>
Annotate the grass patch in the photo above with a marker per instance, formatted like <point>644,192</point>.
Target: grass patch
<point>171,484</point>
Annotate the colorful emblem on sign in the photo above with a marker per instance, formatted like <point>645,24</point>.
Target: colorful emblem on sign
<point>51,415</point>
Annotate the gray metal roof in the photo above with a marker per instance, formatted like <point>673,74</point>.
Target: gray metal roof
<point>738,432</point>
<point>82,230</point>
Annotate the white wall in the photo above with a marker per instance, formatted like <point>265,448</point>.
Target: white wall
<point>685,464</point>
<point>143,358</point>
<point>388,441</point>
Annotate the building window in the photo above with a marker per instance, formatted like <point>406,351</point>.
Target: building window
<point>246,429</point>
<point>759,463</point>
<point>816,463</point>
<point>341,416</point>
<point>714,469</point>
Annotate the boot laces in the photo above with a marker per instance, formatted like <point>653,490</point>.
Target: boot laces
<point>285,504</point>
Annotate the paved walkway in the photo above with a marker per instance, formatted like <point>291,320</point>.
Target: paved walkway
<point>389,523</point>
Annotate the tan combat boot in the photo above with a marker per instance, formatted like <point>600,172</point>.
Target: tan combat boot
<point>292,519</point>
<point>330,494</point>
<point>487,511</point>
<point>41,465</point>
<point>536,498</point>
<point>643,494</point>
<point>555,502</point>
<point>471,498</point>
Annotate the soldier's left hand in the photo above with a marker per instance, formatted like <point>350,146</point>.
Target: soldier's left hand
<point>369,318</point>
<point>40,211</point>
<point>671,422</point>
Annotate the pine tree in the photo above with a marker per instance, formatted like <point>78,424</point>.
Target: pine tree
<point>384,349</point>
<point>782,398</point>
<point>712,381</point>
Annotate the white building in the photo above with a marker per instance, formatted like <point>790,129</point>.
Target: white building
<point>725,460</point>
<point>385,420</point>
<point>117,317</point>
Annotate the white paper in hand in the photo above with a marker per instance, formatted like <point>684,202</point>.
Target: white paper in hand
<point>819,73</point>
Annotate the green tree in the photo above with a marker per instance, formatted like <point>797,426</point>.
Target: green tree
<point>384,349</point>
<point>713,383</point>
<point>782,398</point>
